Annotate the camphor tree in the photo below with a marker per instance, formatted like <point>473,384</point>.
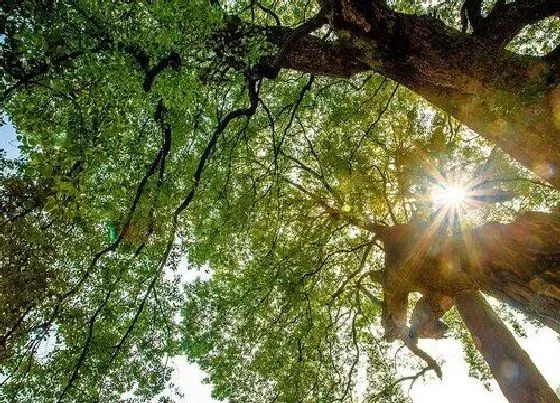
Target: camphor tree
<point>316,157</point>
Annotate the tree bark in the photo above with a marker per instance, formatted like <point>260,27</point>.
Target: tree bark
<point>518,263</point>
<point>519,379</point>
<point>512,100</point>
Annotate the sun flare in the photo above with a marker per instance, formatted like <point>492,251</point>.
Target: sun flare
<point>452,196</point>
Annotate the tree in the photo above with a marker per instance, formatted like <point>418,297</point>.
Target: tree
<point>267,143</point>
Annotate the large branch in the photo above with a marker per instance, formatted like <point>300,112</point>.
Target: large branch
<point>512,100</point>
<point>518,263</point>
<point>311,54</point>
<point>506,20</point>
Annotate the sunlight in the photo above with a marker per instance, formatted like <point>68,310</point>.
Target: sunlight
<point>451,196</point>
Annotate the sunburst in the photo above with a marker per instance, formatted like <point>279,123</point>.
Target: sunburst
<point>445,195</point>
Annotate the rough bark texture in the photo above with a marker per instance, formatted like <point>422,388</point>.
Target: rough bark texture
<point>519,379</point>
<point>510,99</point>
<point>518,263</point>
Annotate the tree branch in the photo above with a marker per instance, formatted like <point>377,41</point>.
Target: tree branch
<point>311,54</point>
<point>235,114</point>
<point>158,160</point>
<point>342,287</point>
<point>471,12</point>
<point>518,377</point>
<point>505,21</point>
<point>296,34</point>
<point>42,67</point>
<point>413,347</point>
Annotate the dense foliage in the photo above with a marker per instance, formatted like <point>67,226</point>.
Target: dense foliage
<point>151,146</point>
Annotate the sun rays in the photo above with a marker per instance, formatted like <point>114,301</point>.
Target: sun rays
<point>454,193</point>
<point>451,195</point>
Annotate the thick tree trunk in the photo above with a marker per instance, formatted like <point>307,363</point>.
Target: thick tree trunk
<point>518,263</point>
<point>512,100</point>
<point>519,379</point>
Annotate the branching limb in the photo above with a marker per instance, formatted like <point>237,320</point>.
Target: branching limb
<point>373,299</point>
<point>310,171</point>
<point>295,35</point>
<point>265,10</point>
<point>413,347</point>
<point>235,114</point>
<point>172,60</point>
<point>392,385</point>
<point>471,12</point>
<point>375,122</point>
<point>89,338</point>
<point>159,159</point>
<point>117,348</point>
<point>338,215</point>
<point>506,20</point>
<point>342,287</point>
<point>253,96</point>
<point>304,90</point>
<point>314,55</point>
<point>37,71</point>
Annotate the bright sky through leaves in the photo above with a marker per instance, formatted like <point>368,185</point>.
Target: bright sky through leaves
<point>348,177</point>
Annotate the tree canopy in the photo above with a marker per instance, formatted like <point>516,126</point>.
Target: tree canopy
<point>349,173</point>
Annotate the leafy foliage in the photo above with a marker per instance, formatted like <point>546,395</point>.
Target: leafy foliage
<point>145,142</point>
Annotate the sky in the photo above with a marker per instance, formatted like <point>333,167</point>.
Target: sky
<point>542,345</point>
<point>8,141</point>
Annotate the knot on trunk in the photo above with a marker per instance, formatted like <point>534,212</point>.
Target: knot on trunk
<point>425,321</point>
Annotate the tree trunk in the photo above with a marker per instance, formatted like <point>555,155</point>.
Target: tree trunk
<point>519,379</point>
<point>518,263</point>
<point>510,99</point>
